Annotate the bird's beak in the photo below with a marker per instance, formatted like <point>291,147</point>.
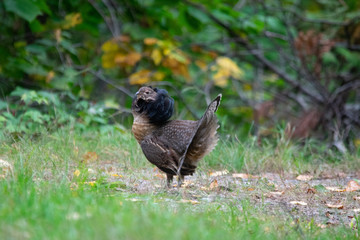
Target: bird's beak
<point>136,95</point>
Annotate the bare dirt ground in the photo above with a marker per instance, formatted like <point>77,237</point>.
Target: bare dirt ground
<point>330,199</point>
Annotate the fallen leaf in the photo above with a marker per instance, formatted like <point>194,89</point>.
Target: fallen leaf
<point>311,190</point>
<point>5,168</point>
<point>214,184</point>
<point>160,175</point>
<point>277,193</point>
<point>189,201</point>
<point>116,175</point>
<point>357,198</point>
<point>244,176</point>
<point>329,215</point>
<point>187,183</point>
<point>335,189</point>
<point>301,203</point>
<point>304,177</point>
<point>219,173</point>
<point>77,173</point>
<point>250,189</point>
<point>90,157</point>
<point>337,206</point>
<point>321,225</point>
<point>352,186</point>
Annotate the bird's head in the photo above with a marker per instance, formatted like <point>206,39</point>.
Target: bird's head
<point>154,103</point>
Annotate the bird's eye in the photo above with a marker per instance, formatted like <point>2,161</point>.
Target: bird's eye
<point>147,92</point>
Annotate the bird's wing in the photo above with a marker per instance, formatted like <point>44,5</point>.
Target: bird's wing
<point>159,153</point>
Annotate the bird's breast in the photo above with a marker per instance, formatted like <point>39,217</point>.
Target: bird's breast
<point>142,129</point>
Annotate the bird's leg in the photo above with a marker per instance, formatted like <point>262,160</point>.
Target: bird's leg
<point>169,179</point>
<point>180,180</point>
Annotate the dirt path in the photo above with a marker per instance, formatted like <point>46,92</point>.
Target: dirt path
<point>327,201</point>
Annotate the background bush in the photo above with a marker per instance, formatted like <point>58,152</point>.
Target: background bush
<point>277,62</point>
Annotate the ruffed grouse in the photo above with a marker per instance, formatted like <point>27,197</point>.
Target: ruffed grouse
<point>174,146</point>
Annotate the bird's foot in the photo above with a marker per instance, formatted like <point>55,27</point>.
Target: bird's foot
<point>169,179</point>
<point>180,180</point>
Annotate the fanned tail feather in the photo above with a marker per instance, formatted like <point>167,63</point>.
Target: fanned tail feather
<point>205,138</point>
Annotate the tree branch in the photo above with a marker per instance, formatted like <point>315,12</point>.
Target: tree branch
<point>256,53</point>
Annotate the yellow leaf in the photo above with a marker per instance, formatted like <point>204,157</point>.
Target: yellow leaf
<point>133,58</point>
<point>177,67</point>
<point>221,77</point>
<point>140,77</point>
<point>156,56</point>
<point>50,76</point>
<point>247,87</point>
<point>116,175</point>
<point>92,183</point>
<point>166,51</point>
<point>150,41</point>
<point>201,64</point>
<point>158,76</point>
<point>120,58</point>
<point>357,142</point>
<point>108,60</point>
<point>110,46</point>
<point>127,59</point>
<point>231,67</point>
<point>57,34</point>
<point>71,20</point>
<point>76,173</point>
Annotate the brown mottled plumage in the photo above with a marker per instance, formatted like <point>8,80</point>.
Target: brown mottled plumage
<point>174,146</point>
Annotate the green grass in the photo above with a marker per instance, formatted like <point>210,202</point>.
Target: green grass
<point>42,199</point>
<point>30,210</point>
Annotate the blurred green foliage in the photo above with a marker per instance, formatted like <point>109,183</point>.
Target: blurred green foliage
<point>77,62</point>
